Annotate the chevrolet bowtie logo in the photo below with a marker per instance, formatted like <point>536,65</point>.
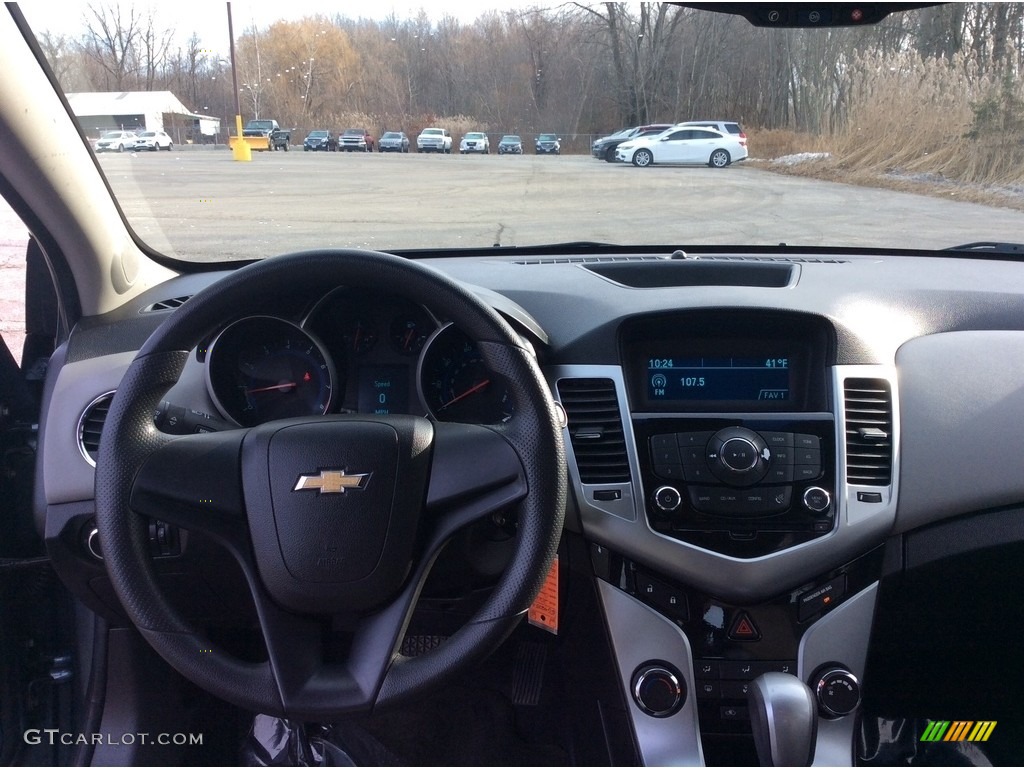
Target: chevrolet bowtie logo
<point>332,481</point>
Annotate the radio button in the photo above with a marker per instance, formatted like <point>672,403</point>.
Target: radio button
<point>697,473</point>
<point>779,474</point>
<point>805,472</point>
<point>669,471</point>
<point>693,439</point>
<point>779,499</point>
<point>777,439</point>
<point>810,456</point>
<point>782,456</point>
<point>663,441</point>
<point>807,441</point>
<point>702,499</point>
<point>664,454</point>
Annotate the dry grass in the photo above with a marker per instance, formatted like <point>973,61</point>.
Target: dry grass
<point>913,125</point>
<point>768,144</point>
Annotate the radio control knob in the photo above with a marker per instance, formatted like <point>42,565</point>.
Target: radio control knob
<point>667,498</point>
<point>738,456</point>
<point>817,500</point>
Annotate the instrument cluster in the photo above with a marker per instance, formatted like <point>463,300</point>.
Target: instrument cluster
<point>352,353</point>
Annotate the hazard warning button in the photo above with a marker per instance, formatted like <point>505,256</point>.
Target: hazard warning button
<point>743,628</point>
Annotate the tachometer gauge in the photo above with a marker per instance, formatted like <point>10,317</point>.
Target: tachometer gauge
<point>456,385</point>
<point>265,368</point>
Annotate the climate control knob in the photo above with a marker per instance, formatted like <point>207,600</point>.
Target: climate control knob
<point>667,499</point>
<point>658,689</point>
<point>837,691</point>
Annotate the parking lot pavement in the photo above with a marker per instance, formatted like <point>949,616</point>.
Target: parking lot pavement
<point>205,206</point>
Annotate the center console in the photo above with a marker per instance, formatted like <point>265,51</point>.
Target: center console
<point>735,442</point>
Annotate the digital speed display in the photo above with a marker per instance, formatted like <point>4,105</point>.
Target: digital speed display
<point>719,379</point>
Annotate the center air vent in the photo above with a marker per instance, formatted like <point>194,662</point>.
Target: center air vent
<point>869,427</point>
<point>90,426</point>
<point>595,429</point>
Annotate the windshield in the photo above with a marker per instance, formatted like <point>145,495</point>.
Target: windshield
<point>906,134</point>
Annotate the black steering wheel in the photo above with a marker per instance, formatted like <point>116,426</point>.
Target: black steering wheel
<point>336,518</point>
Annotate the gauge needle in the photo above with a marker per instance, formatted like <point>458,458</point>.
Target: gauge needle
<point>408,338</point>
<point>467,393</point>
<point>286,385</point>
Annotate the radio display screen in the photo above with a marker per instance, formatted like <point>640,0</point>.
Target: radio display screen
<point>719,379</point>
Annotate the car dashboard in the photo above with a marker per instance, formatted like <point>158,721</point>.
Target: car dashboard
<point>747,435</point>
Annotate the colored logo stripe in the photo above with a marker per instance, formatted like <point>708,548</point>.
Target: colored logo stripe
<point>935,730</point>
<point>982,730</point>
<point>958,730</point>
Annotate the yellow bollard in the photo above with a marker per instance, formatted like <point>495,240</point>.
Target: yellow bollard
<point>240,149</point>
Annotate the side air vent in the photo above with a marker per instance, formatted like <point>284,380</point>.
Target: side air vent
<point>595,429</point>
<point>869,438</point>
<point>90,426</point>
<point>167,304</point>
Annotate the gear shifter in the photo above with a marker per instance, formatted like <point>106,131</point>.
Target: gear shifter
<point>783,718</point>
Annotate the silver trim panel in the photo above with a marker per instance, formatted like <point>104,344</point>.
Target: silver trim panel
<point>640,635</point>
<point>839,637</point>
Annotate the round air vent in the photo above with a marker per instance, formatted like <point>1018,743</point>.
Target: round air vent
<point>90,426</point>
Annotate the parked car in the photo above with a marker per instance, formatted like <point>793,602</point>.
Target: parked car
<point>547,144</point>
<point>320,141</point>
<point>510,144</point>
<point>725,126</point>
<point>684,146</point>
<point>115,141</point>
<point>393,141</point>
<point>434,140</point>
<point>356,140</point>
<point>604,148</point>
<point>574,466</point>
<point>152,141</point>
<point>475,142</point>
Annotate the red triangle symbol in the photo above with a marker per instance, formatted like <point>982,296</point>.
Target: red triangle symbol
<point>744,628</point>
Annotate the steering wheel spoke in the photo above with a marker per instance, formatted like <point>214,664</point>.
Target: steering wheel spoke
<point>195,482</point>
<point>475,472</point>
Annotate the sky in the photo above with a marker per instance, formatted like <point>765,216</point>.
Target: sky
<point>209,19</point>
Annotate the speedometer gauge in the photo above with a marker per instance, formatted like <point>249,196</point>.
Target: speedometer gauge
<point>456,384</point>
<point>265,368</point>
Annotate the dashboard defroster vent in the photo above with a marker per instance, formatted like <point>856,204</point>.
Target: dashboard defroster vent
<point>167,304</point>
<point>90,426</point>
<point>869,427</point>
<point>595,429</point>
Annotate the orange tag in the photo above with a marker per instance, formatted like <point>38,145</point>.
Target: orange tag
<point>544,611</point>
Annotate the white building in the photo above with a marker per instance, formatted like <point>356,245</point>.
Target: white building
<point>142,111</point>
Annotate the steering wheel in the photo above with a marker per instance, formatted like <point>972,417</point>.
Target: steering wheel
<point>332,519</point>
